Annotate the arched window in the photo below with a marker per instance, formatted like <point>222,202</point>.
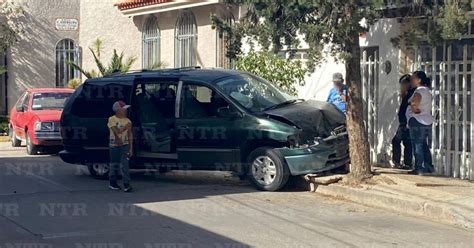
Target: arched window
<point>151,43</point>
<point>185,40</point>
<point>66,50</point>
<point>223,60</point>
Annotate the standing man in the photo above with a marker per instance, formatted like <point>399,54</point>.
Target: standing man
<point>403,133</point>
<point>338,94</point>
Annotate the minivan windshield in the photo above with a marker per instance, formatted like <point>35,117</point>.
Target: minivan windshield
<point>254,93</point>
<point>49,100</point>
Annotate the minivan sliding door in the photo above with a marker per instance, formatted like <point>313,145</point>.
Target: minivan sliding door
<point>154,106</point>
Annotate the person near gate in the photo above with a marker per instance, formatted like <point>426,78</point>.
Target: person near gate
<point>420,121</point>
<point>403,134</point>
<point>338,94</point>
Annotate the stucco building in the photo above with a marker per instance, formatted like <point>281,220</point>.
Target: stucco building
<point>50,38</point>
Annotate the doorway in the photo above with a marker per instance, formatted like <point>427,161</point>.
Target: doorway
<point>154,107</point>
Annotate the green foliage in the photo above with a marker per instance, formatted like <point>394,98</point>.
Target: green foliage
<point>3,125</point>
<point>11,29</point>
<point>156,66</point>
<point>74,83</point>
<point>118,63</point>
<point>279,24</point>
<point>284,73</point>
<point>452,20</point>
<point>433,22</point>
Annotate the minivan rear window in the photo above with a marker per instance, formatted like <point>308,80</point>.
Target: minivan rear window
<point>95,101</point>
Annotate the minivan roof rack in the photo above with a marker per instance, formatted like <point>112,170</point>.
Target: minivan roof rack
<point>157,70</point>
<point>173,69</point>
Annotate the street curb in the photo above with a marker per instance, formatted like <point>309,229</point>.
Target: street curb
<point>434,211</point>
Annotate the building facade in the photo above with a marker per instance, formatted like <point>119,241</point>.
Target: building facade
<point>157,33</point>
<point>39,59</point>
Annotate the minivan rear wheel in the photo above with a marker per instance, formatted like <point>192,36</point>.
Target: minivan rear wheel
<point>99,171</point>
<point>267,169</point>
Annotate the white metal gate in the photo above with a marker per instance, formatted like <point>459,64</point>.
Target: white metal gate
<point>451,68</point>
<point>370,83</point>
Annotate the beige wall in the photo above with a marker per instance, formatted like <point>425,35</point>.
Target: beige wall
<point>103,20</point>
<point>32,59</point>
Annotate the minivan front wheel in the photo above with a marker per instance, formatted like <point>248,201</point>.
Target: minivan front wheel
<point>268,169</point>
<point>99,171</point>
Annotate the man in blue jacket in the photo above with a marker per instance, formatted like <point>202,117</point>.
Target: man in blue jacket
<point>338,93</point>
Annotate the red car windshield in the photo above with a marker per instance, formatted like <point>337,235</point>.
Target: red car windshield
<point>49,100</point>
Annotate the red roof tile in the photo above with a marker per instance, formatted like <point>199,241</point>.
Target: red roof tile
<point>131,4</point>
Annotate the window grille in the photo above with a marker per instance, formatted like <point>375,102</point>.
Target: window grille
<point>151,43</point>
<point>185,40</point>
<point>66,50</point>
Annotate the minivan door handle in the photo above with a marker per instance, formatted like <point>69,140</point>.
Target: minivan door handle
<point>183,127</point>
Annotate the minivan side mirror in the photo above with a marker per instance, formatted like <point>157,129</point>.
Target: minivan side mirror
<point>20,108</point>
<point>226,112</point>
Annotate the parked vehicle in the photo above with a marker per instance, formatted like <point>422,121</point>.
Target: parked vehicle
<point>206,119</point>
<point>35,118</point>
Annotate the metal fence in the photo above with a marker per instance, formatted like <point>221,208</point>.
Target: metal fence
<point>450,67</point>
<point>370,89</point>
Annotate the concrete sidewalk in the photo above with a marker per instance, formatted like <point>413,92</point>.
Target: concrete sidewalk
<point>438,199</point>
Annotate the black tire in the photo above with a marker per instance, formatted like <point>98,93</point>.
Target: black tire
<point>31,148</point>
<point>99,171</point>
<point>15,142</point>
<point>281,170</point>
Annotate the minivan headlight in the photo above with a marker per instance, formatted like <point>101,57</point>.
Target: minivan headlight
<point>43,126</point>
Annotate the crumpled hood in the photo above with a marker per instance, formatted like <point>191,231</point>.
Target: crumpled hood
<point>48,115</point>
<point>314,118</point>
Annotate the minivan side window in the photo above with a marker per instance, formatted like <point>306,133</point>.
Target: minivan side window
<point>198,101</point>
<point>95,101</point>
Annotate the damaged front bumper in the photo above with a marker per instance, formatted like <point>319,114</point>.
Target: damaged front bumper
<point>330,153</point>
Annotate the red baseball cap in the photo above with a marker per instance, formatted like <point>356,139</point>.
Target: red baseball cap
<point>119,105</point>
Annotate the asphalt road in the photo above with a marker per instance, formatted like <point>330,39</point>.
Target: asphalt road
<point>47,203</point>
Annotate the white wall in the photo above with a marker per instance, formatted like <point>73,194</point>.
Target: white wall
<point>319,83</point>
<point>387,98</point>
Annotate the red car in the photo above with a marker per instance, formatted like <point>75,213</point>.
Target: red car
<point>35,118</point>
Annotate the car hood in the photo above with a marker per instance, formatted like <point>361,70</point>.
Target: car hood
<point>314,118</point>
<point>48,115</point>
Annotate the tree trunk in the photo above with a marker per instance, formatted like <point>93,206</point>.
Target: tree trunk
<point>358,138</point>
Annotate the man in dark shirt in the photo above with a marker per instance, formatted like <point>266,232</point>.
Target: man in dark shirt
<point>403,134</point>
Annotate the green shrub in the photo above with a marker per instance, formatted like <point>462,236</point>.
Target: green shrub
<point>3,125</point>
<point>74,83</point>
<point>284,73</point>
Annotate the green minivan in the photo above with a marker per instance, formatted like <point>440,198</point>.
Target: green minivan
<point>206,119</point>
